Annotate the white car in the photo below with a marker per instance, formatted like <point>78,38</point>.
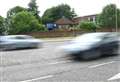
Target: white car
<point>18,41</point>
<point>93,45</point>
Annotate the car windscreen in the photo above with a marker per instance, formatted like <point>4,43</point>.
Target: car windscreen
<point>90,37</point>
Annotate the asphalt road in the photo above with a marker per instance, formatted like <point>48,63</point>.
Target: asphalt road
<point>49,64</point>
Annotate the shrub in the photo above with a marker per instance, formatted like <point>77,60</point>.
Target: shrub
<point>88,26</point>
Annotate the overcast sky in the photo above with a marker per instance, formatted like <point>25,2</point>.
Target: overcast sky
<point>81,7</point>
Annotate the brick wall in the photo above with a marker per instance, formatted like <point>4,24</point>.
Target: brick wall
<point>64,33</point>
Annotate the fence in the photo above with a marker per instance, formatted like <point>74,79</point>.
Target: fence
<point>65,33</point>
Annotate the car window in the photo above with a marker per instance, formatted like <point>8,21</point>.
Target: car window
<point>106,37</point>
<point>109,37</point>
<point>89,37</point>
<point>22,37</point>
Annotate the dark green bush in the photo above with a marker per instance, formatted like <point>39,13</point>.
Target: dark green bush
<point>89,26</point>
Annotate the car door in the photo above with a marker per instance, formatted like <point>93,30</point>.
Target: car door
<point>19,42</point>
<point>108,43</point>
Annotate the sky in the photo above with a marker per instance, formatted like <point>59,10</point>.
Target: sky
<point>81,7</point>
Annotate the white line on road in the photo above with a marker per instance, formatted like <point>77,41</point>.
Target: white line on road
<point>117,76</point>
<point>93,66</point>
<point>40,78</point>
<point>60,62</point>
<point>48,76</point>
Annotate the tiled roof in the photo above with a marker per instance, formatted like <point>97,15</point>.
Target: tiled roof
<point>64,21</point>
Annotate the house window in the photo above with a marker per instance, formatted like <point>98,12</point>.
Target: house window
<point>92,19</point>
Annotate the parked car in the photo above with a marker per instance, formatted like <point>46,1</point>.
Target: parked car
<point>18,41</point>
<point>93,45</point>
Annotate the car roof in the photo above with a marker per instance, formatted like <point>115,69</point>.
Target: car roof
<point>92,36</point>
<point>100,33</point>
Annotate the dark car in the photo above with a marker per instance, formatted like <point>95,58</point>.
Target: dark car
<point>93,45</point>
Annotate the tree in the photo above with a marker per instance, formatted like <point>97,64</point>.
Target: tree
<point>54,13</point>
<point>24,22</point>
<point>12,12</point>
<point>15,10</point>
<point>89,26</point>
<point>2,28</point>
<point>108,17</point>
<point>118,17</point>
<point>33,8</point>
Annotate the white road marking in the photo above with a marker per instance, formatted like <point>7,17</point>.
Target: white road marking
<point>48,76</point>
<point>40,78</point>
<point>93,66</point>
<point>115,77</point>
<point>58,62</point>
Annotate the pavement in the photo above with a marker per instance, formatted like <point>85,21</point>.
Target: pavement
<point>58,39</point>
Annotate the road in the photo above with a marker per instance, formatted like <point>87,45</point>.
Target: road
<point>49,64</point>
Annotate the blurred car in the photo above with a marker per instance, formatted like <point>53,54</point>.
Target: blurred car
<point>93,45</point>
<point>18,41</point>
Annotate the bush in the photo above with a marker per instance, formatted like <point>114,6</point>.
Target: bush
<point>88,26</point>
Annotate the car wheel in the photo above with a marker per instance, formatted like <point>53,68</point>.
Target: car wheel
<point>115,52</point>
<point>91,55</point>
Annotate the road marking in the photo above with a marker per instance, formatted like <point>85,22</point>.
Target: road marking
<point>48,76</point>
<point>115,77</point>
<point>58,62</point>
<point>40,78</point>
<point>93,66</point>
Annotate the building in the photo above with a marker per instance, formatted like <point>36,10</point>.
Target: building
<point>91,18</point>
<point>64,23</point>
<point>67,23</point>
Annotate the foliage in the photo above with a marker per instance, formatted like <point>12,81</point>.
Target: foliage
<point>54,13</point>
<point>33,8</point>
<point>90,26</point>
<point>15,10</point>
<point>108,16</point>
<point>118,17</point>
<point>12,12</point>
<point>2,28</point>
<point>24,22</point>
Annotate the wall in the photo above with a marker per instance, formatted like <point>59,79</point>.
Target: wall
<point>64,33</point>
